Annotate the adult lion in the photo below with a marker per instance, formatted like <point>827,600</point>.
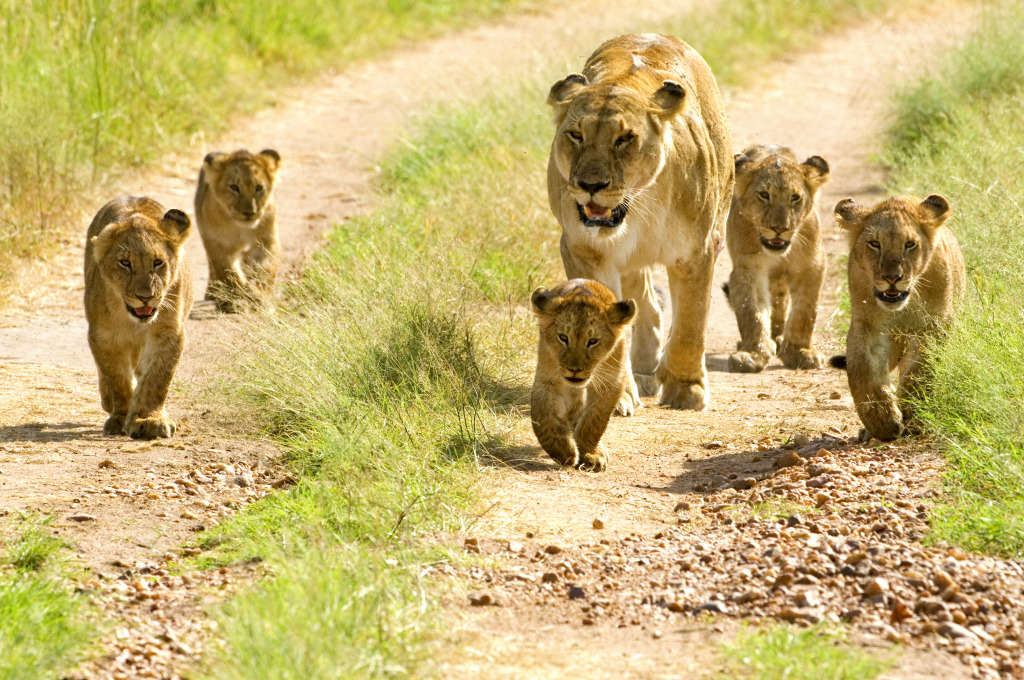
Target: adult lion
<point>906,281</point>
<point>138,293</point>
<point>641,173</point>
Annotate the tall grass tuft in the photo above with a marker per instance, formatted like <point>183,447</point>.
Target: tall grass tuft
<point>961,133</point>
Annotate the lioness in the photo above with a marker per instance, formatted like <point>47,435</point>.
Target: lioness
<point>906,280</point>
<point>138,293</point>
<point>237,221</point>
<point>774,240</point>
<point>641,173</point>
<point>581,369</point>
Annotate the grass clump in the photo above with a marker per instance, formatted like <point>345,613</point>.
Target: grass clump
<point>799,654</point>
<point>961,133</point>
<point>42,628</point>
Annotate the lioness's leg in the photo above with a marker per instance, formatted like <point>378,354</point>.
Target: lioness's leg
<point>645,347</point>
<point>683,377</point>
<point>797,350</point>
<point>750,297</point>
<point>146,416</point>
<point>867,367</point>
<point>603,393</point>
<point>550,410</point>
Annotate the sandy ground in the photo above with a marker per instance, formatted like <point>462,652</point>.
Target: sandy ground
<point>138,506</point>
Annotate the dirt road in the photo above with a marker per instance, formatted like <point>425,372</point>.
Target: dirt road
<point>142,500</point>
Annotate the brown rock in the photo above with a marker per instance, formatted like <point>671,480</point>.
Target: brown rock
<point>82,517</point>
<point>788,460</point>
<point>552,550</point>
<point>598,523</point>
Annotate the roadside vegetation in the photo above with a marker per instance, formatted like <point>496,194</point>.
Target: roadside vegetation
<point>961,133</point>
<point>388,371</point>
<point>93,88</point>
<point>42,628</point>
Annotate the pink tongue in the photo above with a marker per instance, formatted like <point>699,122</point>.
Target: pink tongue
<point>143,311</point>
<point>595,210</point>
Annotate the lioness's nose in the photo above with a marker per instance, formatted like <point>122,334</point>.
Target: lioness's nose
<point>892,278</point>
<point>592,187</point>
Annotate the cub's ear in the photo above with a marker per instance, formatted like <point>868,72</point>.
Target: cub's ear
<point>668,99</point>
<point>621,313</point>
<point>816,172</point>
<point>543,301</point>
<point>847,212</point>
<point>175,225</point>
<point>102,242</point>
<point>271,158</point>
<point>934,211</point>
<point>566,88</point>
<point>742,163</point>
<point>214,161</point>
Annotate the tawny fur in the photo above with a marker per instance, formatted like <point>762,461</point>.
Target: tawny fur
<point>134,258</point>
<point>581,369</point>
<point>643,128</point>
<point>237,220</point>
<point>774,239</point>
<point>907,279</point>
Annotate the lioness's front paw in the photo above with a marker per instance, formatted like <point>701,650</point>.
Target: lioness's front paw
<point>629,402</point>
<point>114,425</point>
<point>156,427</point>
<point>647,384</point>
<point>593,462</point>
<point>800,357</point>
<point>745,362</point>
<point>684,394</point>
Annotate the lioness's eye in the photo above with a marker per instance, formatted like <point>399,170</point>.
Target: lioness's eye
<point>911,245</point>
<point>574,136</point>
<point>158,263</point>
<point>592,342</point>
<point>234,188</point>
<point>763,195</point>
<point>127,264</point>
<point>259,188</point>
<point>625,139</point>
<point>563,339</point>
<point>795,198</point>
<point>875,244</point>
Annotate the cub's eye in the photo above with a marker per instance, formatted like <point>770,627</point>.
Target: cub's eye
<point>592,342</point>
<point>574,136</point>
<point>763,195</point>
<point>795,199</point>
<point>157,263</point>
<point>259,189</point>
<point>127,264</point>
<point>625,139</point>
<point>564,339</point>
<point>910,245</point>
<point>234,189</point>
<point>875,244</point>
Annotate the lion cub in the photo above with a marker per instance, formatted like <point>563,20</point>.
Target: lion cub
<point>906,281</point>
<point>581,369</point>
<point>237,221</point>
<point>138,293</point>
<point>774,240</point>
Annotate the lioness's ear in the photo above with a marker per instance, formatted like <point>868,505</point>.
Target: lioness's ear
<point>621,313</point>
<point>175,226</point>
<point>935,210</point>
<point>272,159</point>
<point>668,99</point>
<point>847,211</point>
<point>566,88</point>
<point>815,171</point>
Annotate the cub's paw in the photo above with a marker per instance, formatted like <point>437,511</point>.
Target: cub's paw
<point>746,362</point>
<point>114,425</point>
<point>155,427</point>
<point>684,394</point>
<point>647,384</point>
<point>800,357</point>
<point>593,462</point>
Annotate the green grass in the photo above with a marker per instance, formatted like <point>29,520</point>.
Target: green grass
<point>391,367</point>
<point>961,133</point>
<point>799,654</point>
<point>43,630</point>
<point>91,88</point>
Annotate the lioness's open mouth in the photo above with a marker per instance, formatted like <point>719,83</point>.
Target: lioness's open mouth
<point>892,296</point>
<point>575,380</point>
<point>142,313</point>
<point>594,215</point>
<point>774,243</point>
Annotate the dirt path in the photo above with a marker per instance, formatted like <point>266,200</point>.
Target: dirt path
<point>138,502</point>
